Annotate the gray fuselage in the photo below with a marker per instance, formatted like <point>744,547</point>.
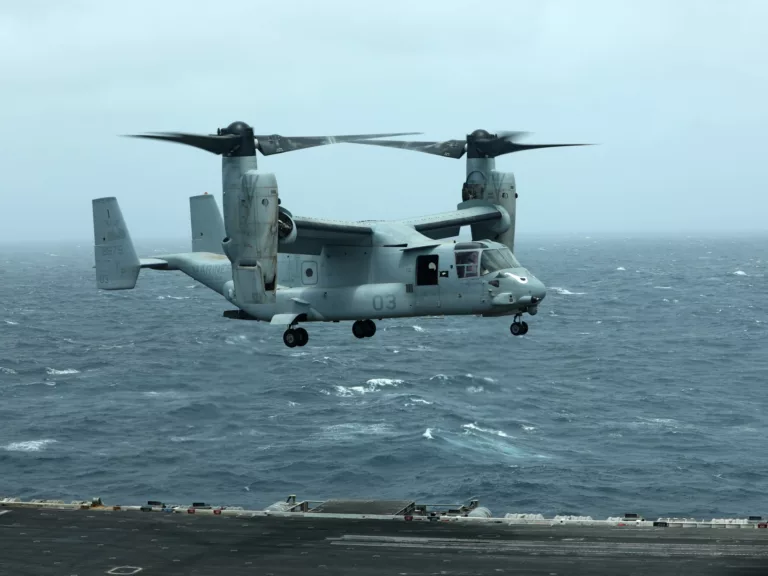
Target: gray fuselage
<point>352,283</point>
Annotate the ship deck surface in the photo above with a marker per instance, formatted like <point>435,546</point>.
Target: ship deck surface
<point>69,542</point>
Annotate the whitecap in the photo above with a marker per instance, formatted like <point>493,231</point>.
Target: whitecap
<point>621,268</point>
<point>7,370</point>
<point>663,287</point>
<point>415,401</point>
<point>349,430</point>
<point>11,323</point>
<point>372,385</point>
<point>418,328</point>
<point>528,428</point>
<point>475,389</point>
<point>566,292</point>
<point>421,401</point>
<point>28,445</point>
<point>379,382</point>
<point>476,428</point>
<point>739,273</point>
<point>54,372</point>
<point>428,434</point>
<point>163,394</point>
<point>439,377</point>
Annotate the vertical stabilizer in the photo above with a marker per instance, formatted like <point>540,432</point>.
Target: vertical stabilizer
<point>117,266</point>
<point>207,224</point>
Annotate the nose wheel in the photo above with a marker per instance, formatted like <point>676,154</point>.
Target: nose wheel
<point>518,327</point>
<point>364,328</point>
<point>295,337</point>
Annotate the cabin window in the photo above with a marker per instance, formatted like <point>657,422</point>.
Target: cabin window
<point>467,263</point>
<point>495,260</point>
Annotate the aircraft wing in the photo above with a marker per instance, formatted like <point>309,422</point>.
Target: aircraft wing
<point>448,224</point>
<point>313,233</point>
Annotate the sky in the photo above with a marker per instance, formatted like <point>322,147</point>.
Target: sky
<point>673,93</point>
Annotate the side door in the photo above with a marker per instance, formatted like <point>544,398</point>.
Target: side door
<point>469,281</point>
<point>427,288</point>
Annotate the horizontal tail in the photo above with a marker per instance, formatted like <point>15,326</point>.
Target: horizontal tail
<point>117,266</point>
<point>207,224</point>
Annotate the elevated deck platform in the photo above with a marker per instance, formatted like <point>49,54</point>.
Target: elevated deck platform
<point>363,537</point>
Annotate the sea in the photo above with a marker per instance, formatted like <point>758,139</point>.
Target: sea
<point>641,386</point>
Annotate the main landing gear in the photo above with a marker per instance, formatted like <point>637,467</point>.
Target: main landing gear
<point>518,327</point>
<point>295,337</point>
<point>364,328</point>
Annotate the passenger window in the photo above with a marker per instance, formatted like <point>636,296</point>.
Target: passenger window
<point>466,264</point>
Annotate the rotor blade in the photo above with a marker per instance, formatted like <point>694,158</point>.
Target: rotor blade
<point>509,135</point>
<point>277,144</point>
<point>500,147</point>
<point>448,148</point>
<point>212,143</point>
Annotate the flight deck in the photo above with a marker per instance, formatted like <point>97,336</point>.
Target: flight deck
<point>363,537</point>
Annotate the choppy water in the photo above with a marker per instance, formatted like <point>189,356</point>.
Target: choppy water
<point>641,386</point>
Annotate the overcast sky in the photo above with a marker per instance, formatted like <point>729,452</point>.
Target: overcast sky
<point>674,93</point>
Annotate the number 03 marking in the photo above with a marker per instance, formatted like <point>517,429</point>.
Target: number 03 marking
<point>379,302</point>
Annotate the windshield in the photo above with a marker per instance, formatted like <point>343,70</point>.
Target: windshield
<point>494,260</point>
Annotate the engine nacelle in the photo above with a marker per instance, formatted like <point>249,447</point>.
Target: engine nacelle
<point>499,189</point>
<point>286,227</point>
<point>251,223</point>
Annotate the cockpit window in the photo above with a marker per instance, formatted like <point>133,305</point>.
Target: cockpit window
<point>494,260</point>
<point>466,263</point>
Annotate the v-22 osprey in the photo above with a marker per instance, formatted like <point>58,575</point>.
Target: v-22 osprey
<point>275,267</point>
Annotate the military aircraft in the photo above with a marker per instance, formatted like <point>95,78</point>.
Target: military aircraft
<point>289,270</point>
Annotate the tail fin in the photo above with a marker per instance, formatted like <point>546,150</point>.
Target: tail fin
<point>117,266</point>
<point>207,224</point>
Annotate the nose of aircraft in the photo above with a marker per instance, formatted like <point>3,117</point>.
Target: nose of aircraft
<point>537,288</point>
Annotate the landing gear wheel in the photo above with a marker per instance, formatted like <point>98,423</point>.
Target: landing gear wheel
<point>303,336</point>
<point>364,328</point>
<point>518,328</point>
<point>291,338</point>
<point>358,329</point>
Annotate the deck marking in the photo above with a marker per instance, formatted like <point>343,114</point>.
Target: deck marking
<point>125,570</point>
<point>4,512</point>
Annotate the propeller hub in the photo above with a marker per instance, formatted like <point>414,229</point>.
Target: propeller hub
<point>478,134</point>
<point>236,128</point>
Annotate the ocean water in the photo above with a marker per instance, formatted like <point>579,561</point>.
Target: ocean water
<point>641,386</point>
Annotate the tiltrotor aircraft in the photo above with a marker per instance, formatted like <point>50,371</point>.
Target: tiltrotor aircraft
<point>289,270</point>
